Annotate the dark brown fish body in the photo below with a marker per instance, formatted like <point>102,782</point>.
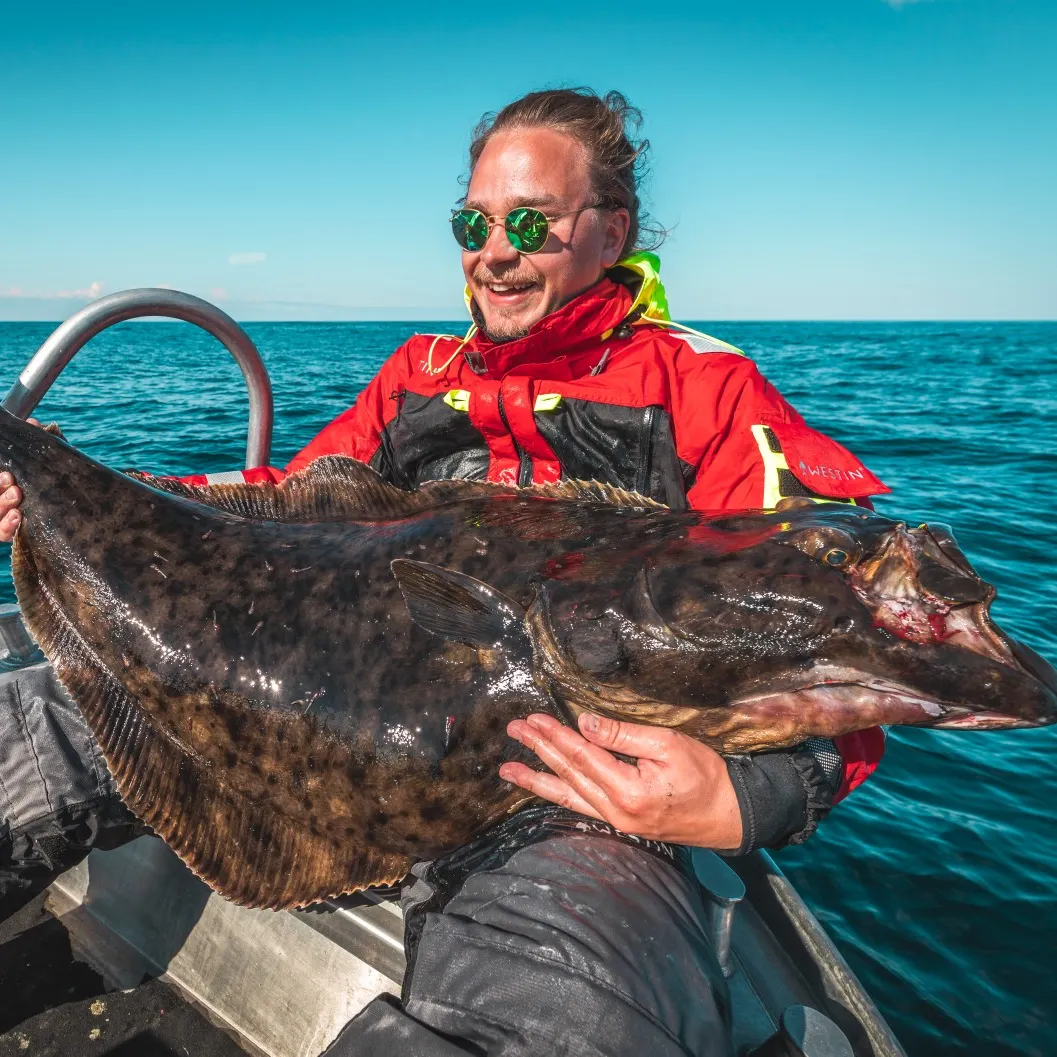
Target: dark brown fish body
<point>305,688</point>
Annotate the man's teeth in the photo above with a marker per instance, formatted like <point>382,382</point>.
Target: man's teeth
<point>505,288</point>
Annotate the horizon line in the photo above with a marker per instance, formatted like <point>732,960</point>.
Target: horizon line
<point>422,318</point>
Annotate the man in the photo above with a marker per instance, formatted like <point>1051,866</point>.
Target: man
<point>572,368</point>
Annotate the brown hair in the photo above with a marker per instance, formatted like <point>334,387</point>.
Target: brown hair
<point>604,125</point>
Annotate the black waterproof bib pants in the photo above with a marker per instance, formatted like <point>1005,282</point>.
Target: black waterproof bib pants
<point>552,935</point>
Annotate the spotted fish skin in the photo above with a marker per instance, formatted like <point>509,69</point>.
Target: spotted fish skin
<point>305,688</point>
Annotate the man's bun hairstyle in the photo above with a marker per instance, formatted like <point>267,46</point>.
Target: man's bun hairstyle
<point>606,127</point>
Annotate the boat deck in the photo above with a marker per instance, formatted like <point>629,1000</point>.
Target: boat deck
<point>52,1004</point>
<point>283,984</point>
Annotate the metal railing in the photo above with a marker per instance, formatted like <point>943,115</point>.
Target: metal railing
<point>64,343</point>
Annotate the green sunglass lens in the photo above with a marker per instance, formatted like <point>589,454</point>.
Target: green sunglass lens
<point>470,229</point>
<point>526,229</point>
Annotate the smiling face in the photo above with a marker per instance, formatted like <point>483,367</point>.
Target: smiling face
<point>549,171</point>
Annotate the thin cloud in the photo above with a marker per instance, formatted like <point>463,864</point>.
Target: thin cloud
<point>247,258</point>
<point>87,293</point>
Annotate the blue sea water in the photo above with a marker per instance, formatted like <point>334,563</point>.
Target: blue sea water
<point>938,880</point>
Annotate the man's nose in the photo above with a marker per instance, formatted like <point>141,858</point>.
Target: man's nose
<point>498,249</point>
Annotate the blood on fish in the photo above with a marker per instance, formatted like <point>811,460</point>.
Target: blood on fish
<point>938,623</point>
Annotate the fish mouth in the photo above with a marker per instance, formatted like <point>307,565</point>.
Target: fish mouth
<point>841,701</point>
<point>903,701</point>
<point>847,691</point>
<point>964,719</point>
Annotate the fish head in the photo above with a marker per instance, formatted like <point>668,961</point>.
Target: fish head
<point>754,631</point>
<point>918,585</point>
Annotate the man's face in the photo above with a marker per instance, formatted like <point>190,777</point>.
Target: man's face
<point>547,170</point>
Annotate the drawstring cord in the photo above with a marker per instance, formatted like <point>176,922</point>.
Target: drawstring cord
<point>430,369</point>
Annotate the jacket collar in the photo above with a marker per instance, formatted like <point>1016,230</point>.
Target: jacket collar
<point>573,328</point>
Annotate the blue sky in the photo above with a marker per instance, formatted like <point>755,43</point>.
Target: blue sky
<point>824,159</point>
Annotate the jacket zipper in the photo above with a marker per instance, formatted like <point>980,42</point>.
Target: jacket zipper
<point>642,484</point>
<point>524,463</point>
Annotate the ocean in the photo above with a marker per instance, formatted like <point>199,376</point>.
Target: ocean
<point>938,879</point>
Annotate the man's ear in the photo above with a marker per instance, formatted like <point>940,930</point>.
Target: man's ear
<point>618,221</point>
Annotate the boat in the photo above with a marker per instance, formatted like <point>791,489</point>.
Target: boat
<point>283,984</point>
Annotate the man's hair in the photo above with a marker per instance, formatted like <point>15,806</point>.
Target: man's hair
<point>605,127</point>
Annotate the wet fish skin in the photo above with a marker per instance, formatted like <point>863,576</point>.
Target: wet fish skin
<point>271,706</point>
<point>258,686</point>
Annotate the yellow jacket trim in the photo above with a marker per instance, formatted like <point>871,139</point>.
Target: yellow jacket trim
<point>653,302</point>
<point>773,461</point>
<point>458,399</point>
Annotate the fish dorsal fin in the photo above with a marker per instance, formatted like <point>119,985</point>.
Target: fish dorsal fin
<point>332,488</point>
<point>338,487</point>
<point>595,492</point>
<point>459,607</point>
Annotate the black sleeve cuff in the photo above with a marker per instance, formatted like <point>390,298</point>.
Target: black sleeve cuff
<point>782,796</point>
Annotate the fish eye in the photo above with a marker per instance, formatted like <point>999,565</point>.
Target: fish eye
<point>829,545</point>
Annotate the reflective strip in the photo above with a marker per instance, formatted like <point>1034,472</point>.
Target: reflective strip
<point>702,343</point>
<point>458,399</point>
<point>773,461</point>
<point>230,477</point>
<point>547,401</point>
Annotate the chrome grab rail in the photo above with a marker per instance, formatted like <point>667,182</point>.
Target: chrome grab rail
<point>64,343</point>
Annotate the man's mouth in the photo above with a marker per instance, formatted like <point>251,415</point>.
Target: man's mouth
<point>508,293</point>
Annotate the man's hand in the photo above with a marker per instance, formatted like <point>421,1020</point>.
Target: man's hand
<point>679,791</point>
<point>10,501</point>
<point>10,515</point>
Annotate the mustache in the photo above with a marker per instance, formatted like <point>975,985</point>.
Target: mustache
<point>511,278</point>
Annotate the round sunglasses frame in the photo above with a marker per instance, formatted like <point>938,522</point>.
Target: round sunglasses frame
<point>515,219</point>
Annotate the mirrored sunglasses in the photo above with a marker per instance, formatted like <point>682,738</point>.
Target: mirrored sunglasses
<point>526,228</point>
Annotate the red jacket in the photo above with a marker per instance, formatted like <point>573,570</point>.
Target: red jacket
<point>588,392</point>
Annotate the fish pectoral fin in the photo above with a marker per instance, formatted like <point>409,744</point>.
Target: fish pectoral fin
<point>456,606</point>
<point>642,609</point>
